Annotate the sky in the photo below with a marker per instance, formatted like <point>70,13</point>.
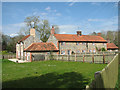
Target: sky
<point>69,16</point>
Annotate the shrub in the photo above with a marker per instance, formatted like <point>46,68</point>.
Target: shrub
<point>103,49</point>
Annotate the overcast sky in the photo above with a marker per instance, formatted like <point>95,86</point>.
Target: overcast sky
<point>69,16</point>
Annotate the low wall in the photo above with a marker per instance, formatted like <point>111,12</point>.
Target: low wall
<point>106,78</point>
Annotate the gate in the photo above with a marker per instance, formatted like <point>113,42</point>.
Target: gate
<point>38,57</point>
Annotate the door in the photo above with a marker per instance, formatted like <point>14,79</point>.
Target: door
<point>28,55</point>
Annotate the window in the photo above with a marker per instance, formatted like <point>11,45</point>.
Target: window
<point>93,43</point>
<point>68,52</point>
<point>90,50</point>
<point>78,51</point>
<point>21,43</point>
<point>93,50</point>
<point>77,43</point>
<point>63,52</point>
<point>18,44</point>
<point>62,43</point>
<point>104,44</point>
<point>83,43</point>
<point>21,53</point>
<point>25,53</point>
<point>48,52</point>
<point>83,50</point>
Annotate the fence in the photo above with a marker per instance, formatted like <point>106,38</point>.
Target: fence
<point>91,58</point>
<point>106,78</point>
<point>8,56</point>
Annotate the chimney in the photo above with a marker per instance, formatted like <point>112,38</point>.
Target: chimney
<point>79,33</point>
<point>53,30</point>
<point>32,32</point>
<point>99,34</point>
<point>108,40</point>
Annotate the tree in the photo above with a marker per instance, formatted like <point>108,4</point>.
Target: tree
<point>4,42</point>
<point>94,33</point>
<point>111,36</point>
<point>24,31</point>
<point>35,19</point>
<point>103,49</point>
<point>44,30</point>
<point>41,26</point>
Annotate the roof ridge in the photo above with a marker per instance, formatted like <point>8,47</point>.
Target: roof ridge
<point>24,38</point>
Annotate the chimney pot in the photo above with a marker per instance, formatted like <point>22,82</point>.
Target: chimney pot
<point>79,33</point>
<point>32,32</point>
<point>99,34</point>
<point>52,26</point>
<point>53,30</point>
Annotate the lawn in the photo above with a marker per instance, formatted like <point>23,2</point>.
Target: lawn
<point>48,74</point>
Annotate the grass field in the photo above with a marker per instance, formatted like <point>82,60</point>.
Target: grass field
<point>48,74</point>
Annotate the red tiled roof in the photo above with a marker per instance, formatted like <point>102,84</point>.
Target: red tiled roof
<point>111,46</point>
<point>24,38</point>
<point>41,47</point>
<point>74,37</point>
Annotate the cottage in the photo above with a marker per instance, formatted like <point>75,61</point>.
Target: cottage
<point>25,42</point>
<point>64,44</point>
<point>77,43</point>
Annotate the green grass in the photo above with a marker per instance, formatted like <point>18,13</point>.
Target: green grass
<point>48,74</point>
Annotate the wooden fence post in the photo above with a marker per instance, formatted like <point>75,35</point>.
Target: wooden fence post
<point>30,57</point>
<point>75,57</point>
<point>57,56</point>
<point>93,58</point>
<point>45,57</point>
<point>83,58</point>
<point>67,57</point>
<point>103,58</point>
<point>62,57</point>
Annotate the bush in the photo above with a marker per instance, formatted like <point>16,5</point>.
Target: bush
<point>103,49</point>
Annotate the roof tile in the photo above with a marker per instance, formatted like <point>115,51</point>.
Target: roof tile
<point>42,47</point>
<point>74,37</point>
<point>24,38</point>
<point>111,46</point>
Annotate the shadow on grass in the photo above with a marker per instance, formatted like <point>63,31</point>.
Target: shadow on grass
<point>50,80</point>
